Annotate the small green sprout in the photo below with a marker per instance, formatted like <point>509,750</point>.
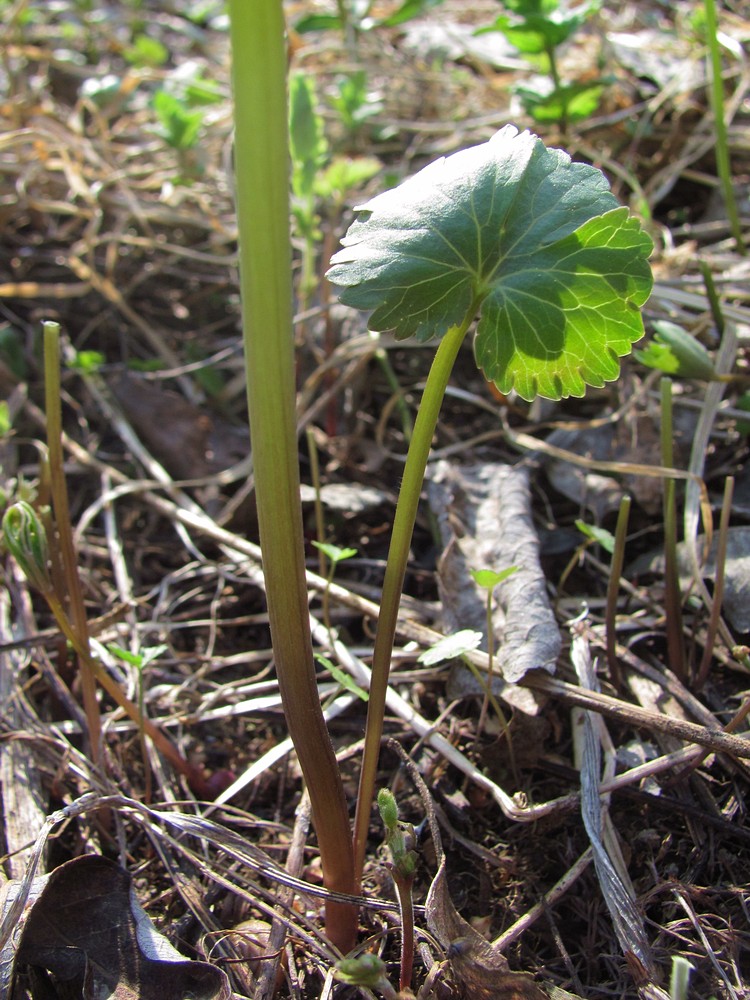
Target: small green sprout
<point>26,540</point>
<point>399,837</point>
<point>179,125</point>
<point>599,535</point>
<point>354,102</point>
<point>342,678</point>
<point>146,52</point>
<point>366,970</point>
<point>451,647</point>
<point>680,978</point>
<point>676,352</point>
<point>538,28</point>
<point>488,579</point>
<point>86,362</point>
<point>400,840</point>
<point>5,420</point>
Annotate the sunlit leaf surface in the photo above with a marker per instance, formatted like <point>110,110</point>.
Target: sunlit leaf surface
<point>533,243</point>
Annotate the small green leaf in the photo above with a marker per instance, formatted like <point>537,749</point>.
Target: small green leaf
<point>364,970</point>
<point>605,538</point>
<point>333,552</point>
<point>317,22</point>
<point>408,10</point>
<point>179,125</point>
<point>488,579</point>
<point>86,362</point>
<point>451,647</point>
<point>345,173</point>
<point>146,51</point>
<point>306,140</point>
<point>342,678</point>
<point>574,101</point>
<point>537,33</point>
<point>139,660</point>
<point>675,352</point>
<point>534,243</point>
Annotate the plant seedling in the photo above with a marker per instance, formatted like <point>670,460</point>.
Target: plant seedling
<point>316,177</point>
<point>333,554</point>
<point>41,542</point>
<point>179,124</point>
<point>354,102</point>
<point>140,661</point>
<point>538,28</point>
<point>488,579</point>
<point>537,247</point>
<point>675,352</point>
<point>366,970</point>
<point>400,840</point>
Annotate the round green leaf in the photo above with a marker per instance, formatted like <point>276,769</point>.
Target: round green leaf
<point>534,243</point>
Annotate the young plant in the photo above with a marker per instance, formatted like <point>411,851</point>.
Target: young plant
<point>538,29</point>
<point>536,247</point>
<point>354,102</point>
<point>333,555</point>
<point>488,579</point>
<point>353,16</point>
<point>317,179</point>
<point>400,840</point>
<point>140,661</point>
<point>723,164</point>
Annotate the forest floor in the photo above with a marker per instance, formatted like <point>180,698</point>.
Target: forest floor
<point>118,222</point>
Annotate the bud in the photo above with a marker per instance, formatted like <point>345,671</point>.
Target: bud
<point>26,540</point>
<point>364,970</point>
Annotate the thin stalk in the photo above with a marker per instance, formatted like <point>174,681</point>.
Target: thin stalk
<point>672,597</point>
<point>718,594</point>
<point>64,532</point>
<point>320,530</point>
<point>554,73</point>
<point>723,165</point>
<point>613,590</point>
<point>490,667</point>
<point>404,891</point>
<point>398,555</point>
<point>262,185</point>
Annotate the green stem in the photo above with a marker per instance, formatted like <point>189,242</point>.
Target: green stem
<point>723,164</point>
<point>490,665</point>
<point>398,555</point>
<point>64,531</point>
<point>262,180</point>
<point>557,85</point>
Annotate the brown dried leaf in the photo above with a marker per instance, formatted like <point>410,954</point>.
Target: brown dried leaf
<point>86,936</point>
<point>480,972</point>
<point>190,443</point>
<point>484,514</point>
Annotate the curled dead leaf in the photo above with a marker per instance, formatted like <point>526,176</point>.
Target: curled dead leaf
<point>86,935</point>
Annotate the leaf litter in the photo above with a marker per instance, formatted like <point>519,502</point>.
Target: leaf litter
<point>102,232</point>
